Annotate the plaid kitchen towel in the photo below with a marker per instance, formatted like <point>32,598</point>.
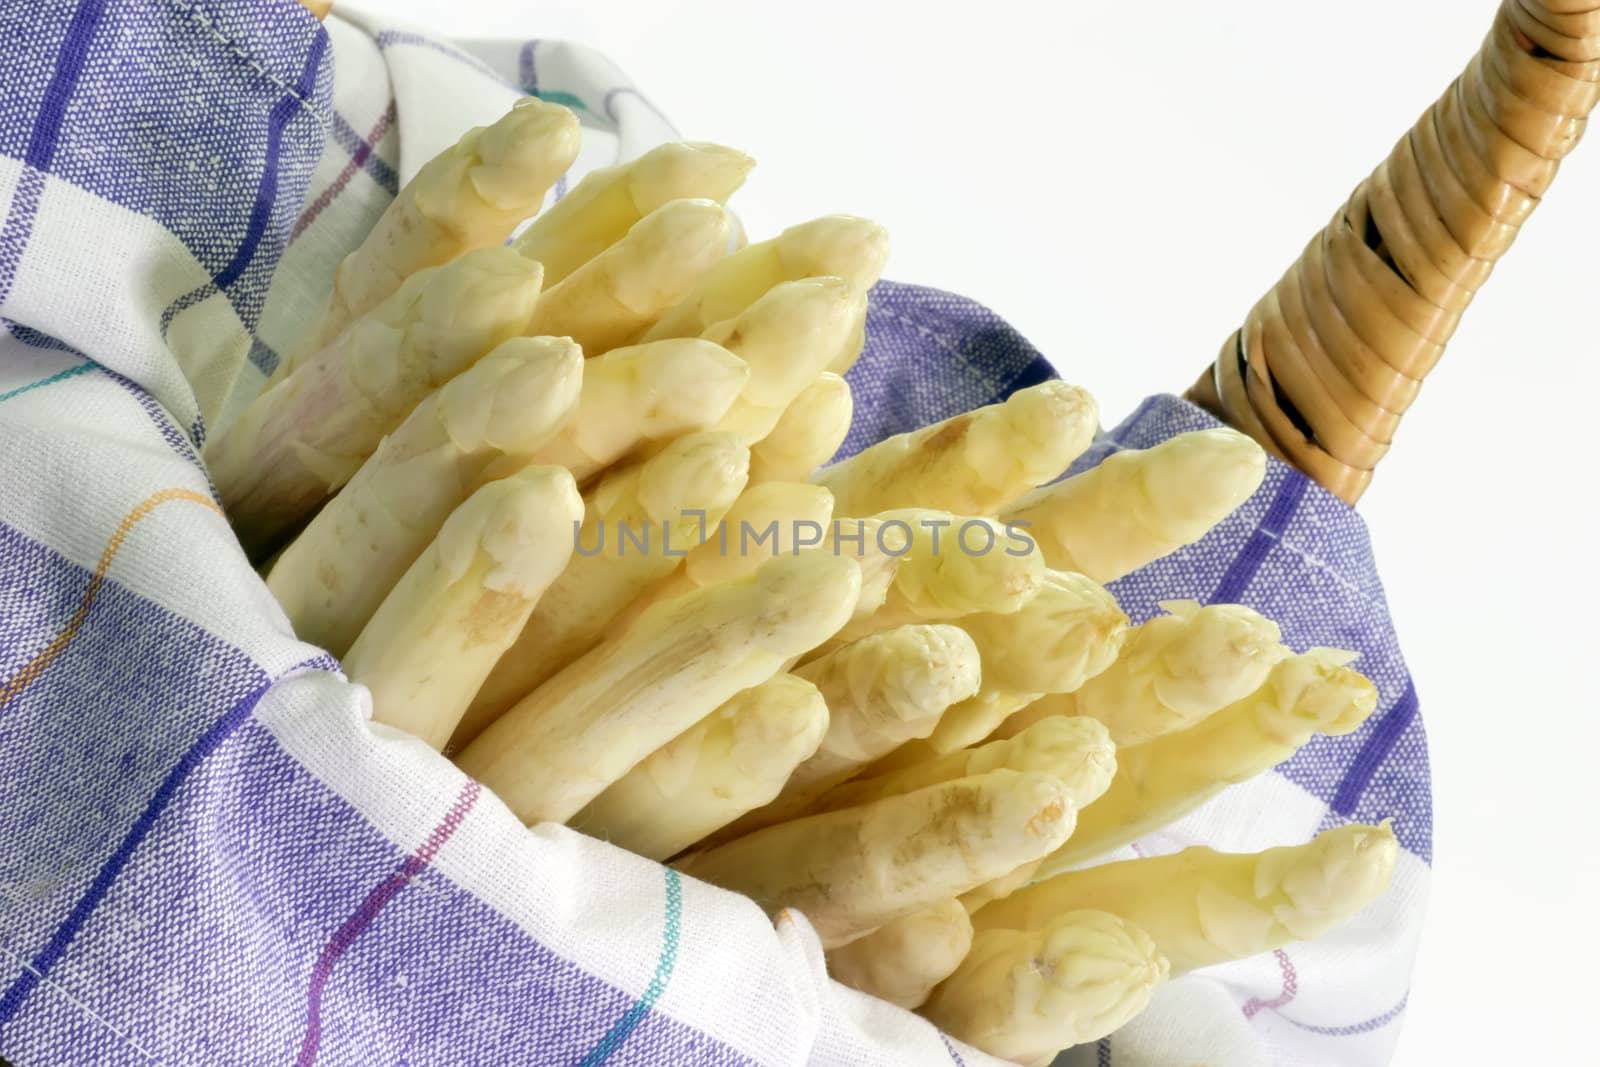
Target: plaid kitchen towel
<point>210,856</point>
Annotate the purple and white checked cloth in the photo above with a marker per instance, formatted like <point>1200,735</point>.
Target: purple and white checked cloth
<point>209,855</point>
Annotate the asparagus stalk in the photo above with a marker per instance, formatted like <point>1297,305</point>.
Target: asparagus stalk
<point>1173,671</point>
<point>437,634</point>
<point>638,521</point>
<point>337,571</point>
<point>732,761</point>
<point>1138,506</point>
<point>852,871</point>
<point>901,961</point>
<point>606,302</point>
<point>840,246</point>
<point>786,337</point>
<point>302,439</point>
<point>1203,907</point>
<point>806,435</point>
<point>1025,995</point>
<point>469,196</point>
<point>1076,752</point>
<point>881,691</point>
<point>560,747</point>
<point>1162,779</point>
<point>1064,636</point>
<point>977,463</point>
<point>640,394</point>
<point>605,205</point>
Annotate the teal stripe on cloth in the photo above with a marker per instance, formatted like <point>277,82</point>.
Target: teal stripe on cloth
<point>42,382</point>
<point>658,982</point>
<point>556,96</point>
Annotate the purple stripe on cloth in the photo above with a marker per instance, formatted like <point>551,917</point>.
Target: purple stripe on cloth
<point>527,70</point>
<point>1237,578</point>
<point>955,1057</point>
<point>381,894</point>
<point>363,155</point>
<point>174,437</point>
<point>1102,1053</point>
<point>389,38</point>
<point>1377,747</point>
<point>18,226</point>
<point>361,148</point>
<point>1377,1022</point>
<point>69,68</point>
<point>47,958</point>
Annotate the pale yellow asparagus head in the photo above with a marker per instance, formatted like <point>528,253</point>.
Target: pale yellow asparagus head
<point>514,398</point>
<point>701,470</point>
<point>1216,654</point>
<point>878,568</point>
<point>1076,749</point>
<point>789,335</point>
<point>795,514</point>
<point>807,434</point>
<point>899,678</point>
<point>1069,632</point>
<point>807,598</point>
<point>472,303</point>
<point>664,252</point>
<point>1193,481</point>
<point>1026,994</point>
<point>845,246</point>
<point>1030,438</point>
<point>522,154</point>
<point>1313,888</point>
<point>956,565</point>
<point>678,170</point>
<point>774,726</point>
<point>666,387</point>
<point>1315,693</point>
<point>522,523</point>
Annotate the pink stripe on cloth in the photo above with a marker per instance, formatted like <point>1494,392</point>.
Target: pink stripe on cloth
<point>363,916</point>
<point>357,159</point>
<point>1291,986</point>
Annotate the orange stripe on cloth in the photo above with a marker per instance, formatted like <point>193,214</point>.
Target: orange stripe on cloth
<point>40,663</point>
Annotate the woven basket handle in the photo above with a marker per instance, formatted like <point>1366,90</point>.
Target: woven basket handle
<point>318,8</point>
<point>1328,361</point>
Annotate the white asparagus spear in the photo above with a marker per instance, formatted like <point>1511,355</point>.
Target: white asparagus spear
<point>337,571</point>
<point>1162,779</point>
<point>640,394</point>
<point>786,337</point>
<point>968,723</point>
<point>901,961</point>
<point>469,196</point>
<point>1138,506</point>
<point>604,303</point>
<point>559,748</point>
<point>1025,995</point>
<point>638,523</point>
<point>767,521</point>
<point>434,638</point>
<point>733,760</point>
<point>302,439</point>
<point>977,463</point>
<point>1173,671</point>
<point>601,208</point>
<point>840,246</point>
<point>949,566</point>
<point>1204,907</point>
<point>1077,752</point>
<point>852,871</point>
<point>806,435</point>
<point>881,691</point>
<point>1065,635</point>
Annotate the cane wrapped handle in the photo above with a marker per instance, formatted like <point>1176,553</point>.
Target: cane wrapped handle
<point>318,8</point>
<point>1328,361</point>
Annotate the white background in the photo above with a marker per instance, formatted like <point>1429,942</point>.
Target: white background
<point>1121,181</point>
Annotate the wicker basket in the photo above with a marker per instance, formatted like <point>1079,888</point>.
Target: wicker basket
<point>1328,361</point>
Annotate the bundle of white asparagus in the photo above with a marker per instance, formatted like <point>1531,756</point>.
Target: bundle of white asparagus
<point>563,506</point>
